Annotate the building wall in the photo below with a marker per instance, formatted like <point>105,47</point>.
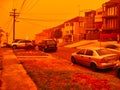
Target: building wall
<point>90,29</point>
<point>111,20</point>
<point>45,34</point>
<point>73,30</point>
<point>115,0</point>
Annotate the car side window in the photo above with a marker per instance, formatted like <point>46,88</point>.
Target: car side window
<point>21,42</point>
<point>89,53</point>
<point>81,51</point>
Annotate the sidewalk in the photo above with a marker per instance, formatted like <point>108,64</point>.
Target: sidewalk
<point>13,75</point>
<point>93,43</point>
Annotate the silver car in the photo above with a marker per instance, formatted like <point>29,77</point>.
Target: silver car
<point>26,44</point>
<point>96,58</point>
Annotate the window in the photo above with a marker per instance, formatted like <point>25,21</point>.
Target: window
<point>89,53</point>
<point>81,51</point>
<point>81,24</point>
<point>71,24</point>
<point>103,52</point>
<point>71,31</point>
<point>67,24</point>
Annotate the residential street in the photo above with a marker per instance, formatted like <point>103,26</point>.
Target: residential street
<point>61,61</point>
<point>60,45</point>
<point>52,70</point>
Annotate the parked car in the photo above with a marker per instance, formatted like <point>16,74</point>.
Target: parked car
<point>118,71</point>
<point>47,45</point>
<point>24,44</point>
<point>112,46</point>
<point>96,58</point>
<point>5,45</point>
<point>114,49</point>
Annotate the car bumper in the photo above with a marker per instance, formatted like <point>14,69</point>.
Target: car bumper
<point>51,48</point>
<point>108,65</point>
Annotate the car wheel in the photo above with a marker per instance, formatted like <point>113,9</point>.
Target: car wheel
<point>118,72</point>
<point>93,67</point>
<point>73,60</point>
<point>14,47</point>
<point>29,47</point>
<point>41,49</point>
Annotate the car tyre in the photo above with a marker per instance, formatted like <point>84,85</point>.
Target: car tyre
<point>93,67</point>
<point>14,47</point>
<point>118,72</point>
<point>42,49</point>
<point>73,60</point>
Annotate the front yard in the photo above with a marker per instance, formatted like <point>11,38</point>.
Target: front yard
<point>54,74</point>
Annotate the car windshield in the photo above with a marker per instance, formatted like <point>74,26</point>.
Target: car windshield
<point>103,52</point>
<point>16,40</point>
<point>51,42</point>
<point>113,47</point>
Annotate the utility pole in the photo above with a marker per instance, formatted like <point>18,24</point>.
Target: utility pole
<point>14,14</point>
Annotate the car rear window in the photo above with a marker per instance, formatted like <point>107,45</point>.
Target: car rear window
<point>103,52</point>
<point>51,42</point>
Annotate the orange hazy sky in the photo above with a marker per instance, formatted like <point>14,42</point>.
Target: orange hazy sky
<point>37,15</point>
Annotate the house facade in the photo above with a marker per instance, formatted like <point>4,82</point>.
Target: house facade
<point>73,29</point>
<point>98,18</point>
<point>100,24</point>
<point>45,34</point>
<point>111,20</point>
<point>91,32</point>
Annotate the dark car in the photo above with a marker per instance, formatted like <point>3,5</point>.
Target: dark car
<point>111,46</point>
<point>6,45</point>
<point>47,45</point>
<point>118,72</point>
<point>114,49</point>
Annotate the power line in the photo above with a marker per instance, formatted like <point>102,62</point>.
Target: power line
<point>30,5</point>
<point>22,6</point>
<point>33,23</point>
<point>42,20</point>
<point>33,5</point>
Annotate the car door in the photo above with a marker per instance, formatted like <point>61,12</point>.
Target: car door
<point>21,44</point>
<point>88,57</point>
<point>80,56</point>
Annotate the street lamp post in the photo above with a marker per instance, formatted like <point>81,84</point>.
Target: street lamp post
<point>100,36</point>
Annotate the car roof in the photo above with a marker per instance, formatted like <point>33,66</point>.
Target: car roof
<point>48,39</point>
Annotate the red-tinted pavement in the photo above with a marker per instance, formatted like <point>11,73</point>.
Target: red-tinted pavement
<point>13,76</point>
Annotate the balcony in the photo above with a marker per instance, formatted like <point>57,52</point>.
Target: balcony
<point>110,16</point>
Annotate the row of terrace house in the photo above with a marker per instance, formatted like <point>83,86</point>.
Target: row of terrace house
<point>101,24</point>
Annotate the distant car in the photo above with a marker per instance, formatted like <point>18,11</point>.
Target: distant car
<point>22,44</point>
<point>16,40</point>
<point>114,49</point>
<point>6,45</point>
<point>118,71</point>
<point>47,45</point>
<point>96,58</point>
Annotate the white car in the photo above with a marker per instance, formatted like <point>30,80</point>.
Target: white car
<point>22,44</point>
<point>96,58</point>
